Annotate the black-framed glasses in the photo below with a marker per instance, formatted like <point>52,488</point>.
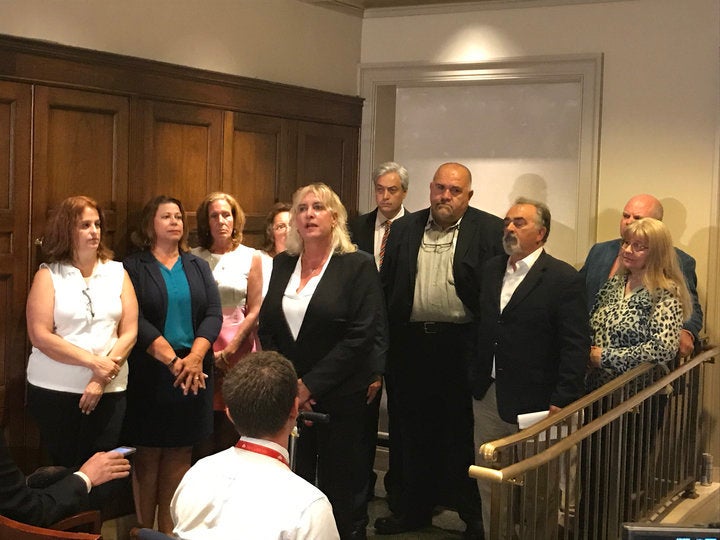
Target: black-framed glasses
<point>89,303</point>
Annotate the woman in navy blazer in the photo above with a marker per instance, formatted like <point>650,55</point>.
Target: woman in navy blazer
<point>170,386</point>
<point>324,312</point>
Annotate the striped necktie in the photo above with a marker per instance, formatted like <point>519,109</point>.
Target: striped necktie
<point>383,243</point>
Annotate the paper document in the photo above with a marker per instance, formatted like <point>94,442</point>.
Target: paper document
<point>528,419</point>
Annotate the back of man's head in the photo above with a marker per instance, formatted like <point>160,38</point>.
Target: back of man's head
<point>259,393</point>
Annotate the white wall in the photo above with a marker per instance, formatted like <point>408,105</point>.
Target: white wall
<point>660,93</point>
<point>277,40</point>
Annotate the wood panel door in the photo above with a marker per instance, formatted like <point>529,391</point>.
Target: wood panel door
<point>256,168</point>
<point>15,120</point>
<point>181,156</point>
<point>81,147</point>
<point>329,153</point>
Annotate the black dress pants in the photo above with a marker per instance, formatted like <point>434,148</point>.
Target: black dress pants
<point>433,410</point>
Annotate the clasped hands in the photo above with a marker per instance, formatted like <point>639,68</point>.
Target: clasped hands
<point>188,373</point>
<point>105,369</point>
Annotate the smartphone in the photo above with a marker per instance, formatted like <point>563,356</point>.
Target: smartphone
<point>124,450</point>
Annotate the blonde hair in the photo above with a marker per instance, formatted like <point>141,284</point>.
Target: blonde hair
<point>662,270</point>
<point>340,238</point>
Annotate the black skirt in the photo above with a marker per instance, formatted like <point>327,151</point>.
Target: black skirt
<point>158,414</point>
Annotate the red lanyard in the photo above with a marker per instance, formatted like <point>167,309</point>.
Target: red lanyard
<point>260,449</point>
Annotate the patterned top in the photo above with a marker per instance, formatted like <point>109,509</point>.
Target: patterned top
<point>633,329</point>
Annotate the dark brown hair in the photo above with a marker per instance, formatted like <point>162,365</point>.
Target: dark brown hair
<point>259,392</point>
<point>269,240</point>
<point>144,236</point>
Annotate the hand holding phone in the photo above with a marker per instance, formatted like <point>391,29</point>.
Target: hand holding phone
<point>125,450</point>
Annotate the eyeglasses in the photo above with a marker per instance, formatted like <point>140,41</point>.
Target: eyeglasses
<point>89,303</point>
<point>438,247</point>
<point>635,247</point>
<point>280,227</point>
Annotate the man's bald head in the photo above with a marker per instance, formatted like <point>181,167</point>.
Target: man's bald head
<point>638,207</point>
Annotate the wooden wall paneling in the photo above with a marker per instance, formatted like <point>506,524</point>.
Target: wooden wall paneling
<point>34,60</point>
<point>256,171</point>
<point>81,146</point>
<point>15,129</point>
<point>182,154</point>
<point>329,153</point>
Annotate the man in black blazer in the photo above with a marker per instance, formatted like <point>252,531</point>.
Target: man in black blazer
<point>534,336</point>
<point>391,181</point>
<point>69,494</point>
<point>370,232</point>
<point>431,278</point>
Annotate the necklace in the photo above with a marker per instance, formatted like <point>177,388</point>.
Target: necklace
<point>311,270</point>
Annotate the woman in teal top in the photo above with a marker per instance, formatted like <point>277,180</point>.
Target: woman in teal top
<point>170,386</point>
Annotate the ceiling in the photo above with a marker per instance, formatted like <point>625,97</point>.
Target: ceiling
<point>377,7</point>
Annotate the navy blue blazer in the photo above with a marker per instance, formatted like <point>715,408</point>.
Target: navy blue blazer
<point>151,292</point>
<point>540,341</point>
<point>39,507</point>
<point>479,238</point>
<point>333,353</point>
<point>600,260</point>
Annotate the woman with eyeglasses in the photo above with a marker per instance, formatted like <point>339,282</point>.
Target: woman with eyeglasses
<point>82,320</point>
<point>238,272</point>
<point>324,312</point>
<point>639,312</point>
<point>170,387</point>
<point>276,229</point>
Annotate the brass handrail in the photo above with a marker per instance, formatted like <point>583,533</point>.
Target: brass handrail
<point>515,470</point>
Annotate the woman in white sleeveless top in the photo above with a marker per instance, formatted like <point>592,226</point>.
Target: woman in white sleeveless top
<point>82,321</point>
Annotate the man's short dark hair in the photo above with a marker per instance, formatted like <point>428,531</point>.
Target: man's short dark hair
<point>259,392</point>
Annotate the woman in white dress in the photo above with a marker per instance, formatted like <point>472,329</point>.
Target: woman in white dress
<point>238,272</point>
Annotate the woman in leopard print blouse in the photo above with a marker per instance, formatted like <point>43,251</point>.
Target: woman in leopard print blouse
<point>639,312</point>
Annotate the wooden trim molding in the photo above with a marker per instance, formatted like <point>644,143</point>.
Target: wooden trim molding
<point>29,60</point>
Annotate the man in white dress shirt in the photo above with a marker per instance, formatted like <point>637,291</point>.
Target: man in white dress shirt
<point>249,491</point>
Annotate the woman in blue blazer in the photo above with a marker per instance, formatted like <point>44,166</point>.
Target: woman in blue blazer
<point>170,386</point>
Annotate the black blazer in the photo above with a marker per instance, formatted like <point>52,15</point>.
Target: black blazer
<point>332,353</point>
<point>39,507</point>
<point>479,238</point>
<point>362,231</point>
<point>152,296</point>
<point>541,340</point>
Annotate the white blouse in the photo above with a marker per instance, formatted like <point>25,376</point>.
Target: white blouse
<point>86,315</point>
<point>295,303</point>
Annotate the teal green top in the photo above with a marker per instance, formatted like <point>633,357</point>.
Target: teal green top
<point>178,319</point>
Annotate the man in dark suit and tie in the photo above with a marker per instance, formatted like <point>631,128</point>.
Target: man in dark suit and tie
<point>431,278</point>
<point>602,263</point>
<point>370,232</point>
<point>534,336</point>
